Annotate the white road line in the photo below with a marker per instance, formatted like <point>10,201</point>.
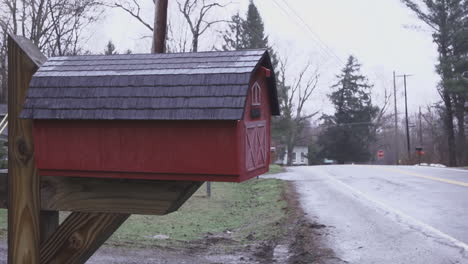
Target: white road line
<point>410,219</point>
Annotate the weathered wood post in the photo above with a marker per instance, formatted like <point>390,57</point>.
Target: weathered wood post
<point>24,226</point>
<point>160,26</point>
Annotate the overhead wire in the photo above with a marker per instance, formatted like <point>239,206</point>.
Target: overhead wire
<point>323,49</point>
<point>326,47</point>
<point>309,28</point>
<point>320,52</point>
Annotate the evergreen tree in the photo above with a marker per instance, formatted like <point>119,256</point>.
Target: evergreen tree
<point>348,132</point>
<point>253,29</point>
<point>110,49</point>
<point>248,33</point>
<point>233,36</point>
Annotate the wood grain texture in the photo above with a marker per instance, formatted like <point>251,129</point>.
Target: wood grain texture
<point>114,195</point>
<point>79,236</point>
<point>160,26</point>
<point>108,195</point>
<point>23,181</point>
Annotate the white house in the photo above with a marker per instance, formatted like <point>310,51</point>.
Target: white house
<point>299,156</point>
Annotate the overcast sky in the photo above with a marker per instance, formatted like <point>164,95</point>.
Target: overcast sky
<point>383,34</point>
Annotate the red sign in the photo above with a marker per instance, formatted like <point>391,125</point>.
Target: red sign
<point>380,154</point>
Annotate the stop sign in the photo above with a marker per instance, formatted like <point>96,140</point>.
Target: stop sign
<point>380,154</point>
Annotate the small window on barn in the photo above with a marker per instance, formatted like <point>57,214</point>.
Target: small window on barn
<point>256,94</point>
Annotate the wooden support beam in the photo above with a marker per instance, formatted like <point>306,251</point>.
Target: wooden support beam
<point>23,183</point>
<point>79,236</point>
<point>109,195</point>
<point>114,195</point>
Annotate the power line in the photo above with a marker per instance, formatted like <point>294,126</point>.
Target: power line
<point>327,48</point>
<point>309,28</point>
<point>322,50</point>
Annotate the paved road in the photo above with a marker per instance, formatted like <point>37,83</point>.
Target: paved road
<point>388,214</point>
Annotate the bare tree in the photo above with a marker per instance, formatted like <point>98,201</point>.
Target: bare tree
<point>195,13</point>
<point>3,65</point>
<point>134,9</point>
<point>179,42</point>
<point>55,26</point>
<point>289,126</point>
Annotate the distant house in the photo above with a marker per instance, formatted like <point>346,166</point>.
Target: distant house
<point>299,156</point>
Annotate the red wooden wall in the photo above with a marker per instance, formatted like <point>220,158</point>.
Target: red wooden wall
<point>252,127</point>
<point>165,150</point>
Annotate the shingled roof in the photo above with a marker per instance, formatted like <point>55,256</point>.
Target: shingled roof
<point>177,86</point>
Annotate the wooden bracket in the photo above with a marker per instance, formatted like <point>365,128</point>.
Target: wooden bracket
<point>101,195</point>
<point>79,236</point>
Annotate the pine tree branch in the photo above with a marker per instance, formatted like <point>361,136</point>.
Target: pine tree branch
<point>420,13</point>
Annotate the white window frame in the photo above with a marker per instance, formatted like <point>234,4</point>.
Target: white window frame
<point>256,94</point>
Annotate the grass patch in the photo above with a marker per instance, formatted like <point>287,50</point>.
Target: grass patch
<point>250,211</point>
<point>253,210</point>
<point>274,168</point>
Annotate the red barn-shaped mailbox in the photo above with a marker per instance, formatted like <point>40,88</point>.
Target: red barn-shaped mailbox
<point>186,116</point>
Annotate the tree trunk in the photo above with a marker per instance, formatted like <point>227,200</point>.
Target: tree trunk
<point>461,140</point>
<point>195,43</point>
<point>449,128</point>
<point>3,85</point>
<point>290,151</point>
<point>446,75</point>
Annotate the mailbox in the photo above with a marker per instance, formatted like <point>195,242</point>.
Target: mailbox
<point>183,116</point>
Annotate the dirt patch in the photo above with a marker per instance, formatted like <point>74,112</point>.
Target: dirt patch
<point>300,243</point>
<point>305,238</point>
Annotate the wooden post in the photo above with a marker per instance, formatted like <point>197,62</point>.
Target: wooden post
<point>23,183</point>
<point>160,26</point>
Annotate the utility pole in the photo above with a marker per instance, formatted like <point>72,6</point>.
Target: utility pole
<point>407,121</point>
<point>405,76</point>
<point>420,128</point>
<point>160,26</point>
<point>397,148</point>
<point>159,42</point>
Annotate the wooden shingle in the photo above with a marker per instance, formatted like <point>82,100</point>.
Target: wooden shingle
<point>181,86</point>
